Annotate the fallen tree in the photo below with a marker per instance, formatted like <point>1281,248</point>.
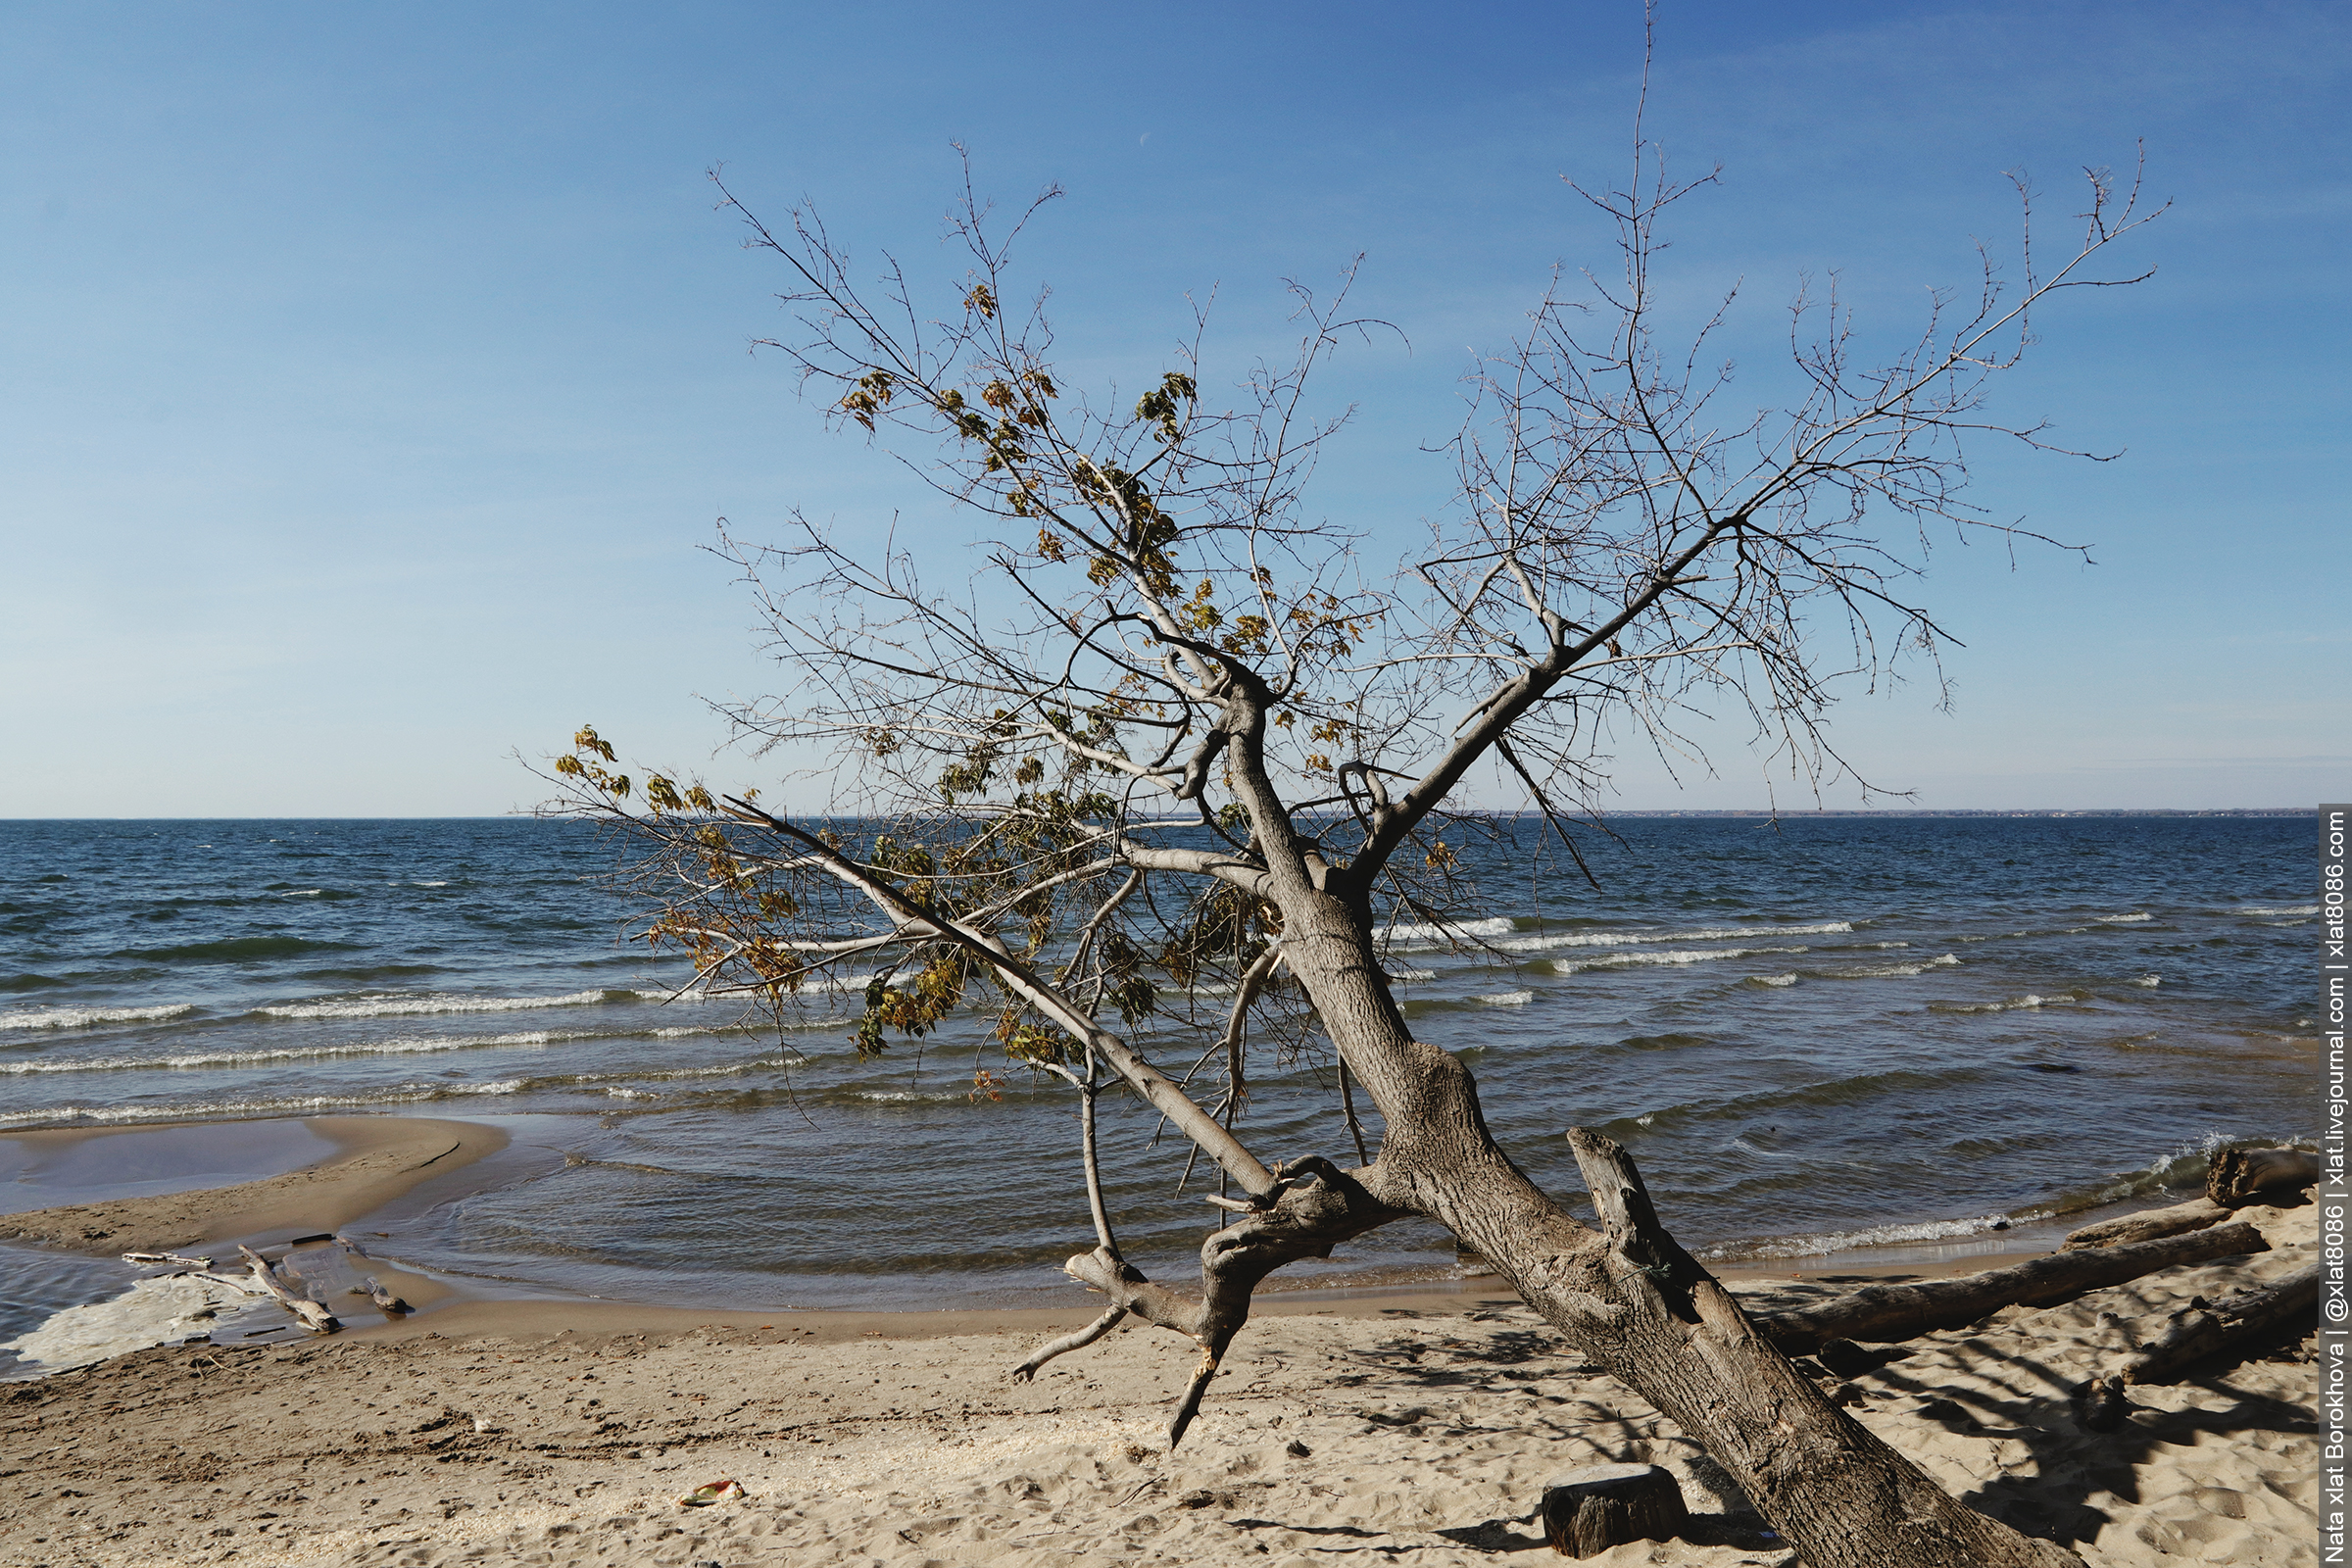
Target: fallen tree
<point>2146,1225</point>
<point>2199,1331</point>
<point>1888,1314</point>
<point>1161,628</point>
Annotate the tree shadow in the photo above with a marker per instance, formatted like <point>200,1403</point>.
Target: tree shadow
<point>2038,1405</point>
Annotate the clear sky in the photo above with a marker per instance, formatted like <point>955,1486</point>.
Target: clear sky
<point>376,375</point>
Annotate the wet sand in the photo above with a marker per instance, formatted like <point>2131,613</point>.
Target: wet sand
<point>373,1160</point>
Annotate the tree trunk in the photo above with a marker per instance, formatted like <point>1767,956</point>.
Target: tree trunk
<point>1588,1511</point>
<point>1887,1313</point>
<point>2194,1215</point>
<point>2241,1176</point>
<point>1631,1299</point>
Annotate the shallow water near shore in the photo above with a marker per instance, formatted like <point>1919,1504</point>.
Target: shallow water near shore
<point>1825,1033</point>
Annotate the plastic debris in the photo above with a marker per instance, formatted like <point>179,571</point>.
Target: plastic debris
<point>710,1493</point>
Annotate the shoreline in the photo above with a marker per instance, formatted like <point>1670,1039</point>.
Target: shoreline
<point>378,1160</point>
<point>1422,1436</point>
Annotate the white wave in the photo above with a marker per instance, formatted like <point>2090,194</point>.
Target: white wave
<point>2121,920</point>
<point>389,1006</point>
<point>2025,1002</point>
<point>1493,926</point>
<point>1618,939</point>
<point>1405,971</point>
<point>428,884</point>
<point>153,1311</point>
<point>1897,971</point>
<point>293,1105</point>
<point>1845,1241</point>
<point>1505,998</point>
<point>2288,908</point>
<point>1633,961</point>
<point>84,1017</point>
<point>303,893</point>
<point>1771,979</point>
<point>2149,980</point>
<point>402,1046</point>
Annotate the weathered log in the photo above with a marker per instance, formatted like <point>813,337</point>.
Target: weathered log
<point>312,1316</point>
<point>1888,1313</point>
<point>2198,1213</point>
<point>2241,1176</point>
<point>2202,1331</point>
<point>1588,1511</point>
<point>383,1298</point>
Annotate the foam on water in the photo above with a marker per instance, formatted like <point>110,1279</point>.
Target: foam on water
<point>323,1049</point>
<point>291,1105</point>
<point>395,1006</point>
<point>2122,919</point>
<point>1895,972</point>
<point>1640,960</point>
<point>153,1311</point>
<point>1492,926</point>
<point>1617,939</point>
<point>85,1017</point>
<point>1939,1230</point>
<point>1505,998</point>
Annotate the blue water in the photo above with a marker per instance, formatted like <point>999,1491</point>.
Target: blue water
<point>1829,1031</point>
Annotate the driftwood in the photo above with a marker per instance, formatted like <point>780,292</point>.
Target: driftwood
<point>384,1296</point>
<point>1888,1313</point>
<point>2203,1331</point>
<point>318,1319</point>
<point>2197,1215</point>
<point>1588,1511</point>
<point>149,1259</point>
<point>2195,1333</point>
<point>2241,1176</point>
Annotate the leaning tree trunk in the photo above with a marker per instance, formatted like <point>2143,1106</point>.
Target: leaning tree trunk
<point>1629,1297</point>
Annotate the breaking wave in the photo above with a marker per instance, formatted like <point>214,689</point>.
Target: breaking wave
<point>85,1017</point>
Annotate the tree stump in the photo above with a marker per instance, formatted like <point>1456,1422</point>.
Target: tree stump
<point>2241,1176</point>
<point>1588,1511</point>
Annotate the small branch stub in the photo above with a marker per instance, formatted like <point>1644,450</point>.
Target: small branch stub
<point>1588,1511</point>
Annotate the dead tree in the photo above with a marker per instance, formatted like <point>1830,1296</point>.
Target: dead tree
<point>1160,626</point>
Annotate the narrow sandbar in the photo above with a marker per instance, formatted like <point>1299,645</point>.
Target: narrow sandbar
<point>373,1160</point>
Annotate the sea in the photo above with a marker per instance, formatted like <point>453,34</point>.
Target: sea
<point>1814,1034</point>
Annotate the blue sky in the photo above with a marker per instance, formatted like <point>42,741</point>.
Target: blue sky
<point>376,375</point>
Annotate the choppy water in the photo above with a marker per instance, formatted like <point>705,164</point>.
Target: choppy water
<point>1836,1030</point>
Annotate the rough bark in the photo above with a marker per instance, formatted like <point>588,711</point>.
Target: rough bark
<point>1314,1206</point>
<point>2202,1331</point>
<point>2197,1215</point>
<point>1629,1297</point>
<point>1888,1313</point>
<point>2241,1176</point>
<point>1588,1511</point>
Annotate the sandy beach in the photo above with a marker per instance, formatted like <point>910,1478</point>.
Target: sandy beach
<point>1417,1429</point>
